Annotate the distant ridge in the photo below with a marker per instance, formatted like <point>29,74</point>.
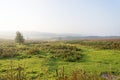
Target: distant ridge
<point>33,35</point>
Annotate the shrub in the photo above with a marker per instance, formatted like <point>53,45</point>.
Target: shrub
<point>8,53</point>
<point>33,51</point>
<point>101,44</point>
<point>1,50</point>
<point>66,52</point>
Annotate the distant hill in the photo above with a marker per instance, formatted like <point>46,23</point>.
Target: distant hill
<point>32,35</point>
<point>87,37</point>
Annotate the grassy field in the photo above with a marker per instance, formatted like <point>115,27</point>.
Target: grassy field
<point>43,60</point>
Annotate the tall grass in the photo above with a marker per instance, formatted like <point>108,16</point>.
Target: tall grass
<point>14,73</point>
<point>68,54</point>
<point>77,74</point>
<point>19,73</point>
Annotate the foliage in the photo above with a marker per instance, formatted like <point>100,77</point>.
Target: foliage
<point>19,73</point>
<point>14,73</point>
<point>8,52</point>
<point>66,52</point>
<point>43,58</point>
<point>19,38</point>
<point>102,44</point>
<point>77,74</point>
<point>33,51</point>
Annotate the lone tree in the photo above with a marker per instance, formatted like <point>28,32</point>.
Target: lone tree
<point>19,38</point>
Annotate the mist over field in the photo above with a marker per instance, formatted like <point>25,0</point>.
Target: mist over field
<point>36,35</point>
<point>59,39</point>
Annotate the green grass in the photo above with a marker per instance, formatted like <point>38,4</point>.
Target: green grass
<point>94,61</point>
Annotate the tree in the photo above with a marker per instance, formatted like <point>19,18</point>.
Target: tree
<point>19,38</point>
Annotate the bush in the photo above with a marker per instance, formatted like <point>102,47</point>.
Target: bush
<point>1,50</point>
<point>73,56</point>
<point>101,44</point>
<point>8,52</point>
<point>70,59</point>
<point>66,52</point>
<point>33,51</point>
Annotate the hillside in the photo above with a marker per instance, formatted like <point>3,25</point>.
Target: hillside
<point>52,36</point>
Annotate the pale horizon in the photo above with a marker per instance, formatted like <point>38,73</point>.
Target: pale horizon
<point>90,17</point>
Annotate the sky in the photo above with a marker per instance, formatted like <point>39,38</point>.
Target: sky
<point>91,17</point>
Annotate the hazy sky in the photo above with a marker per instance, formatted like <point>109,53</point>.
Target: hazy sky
<point>93,17</point>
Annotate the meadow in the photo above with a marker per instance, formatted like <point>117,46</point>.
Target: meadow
<point>60,60</point>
